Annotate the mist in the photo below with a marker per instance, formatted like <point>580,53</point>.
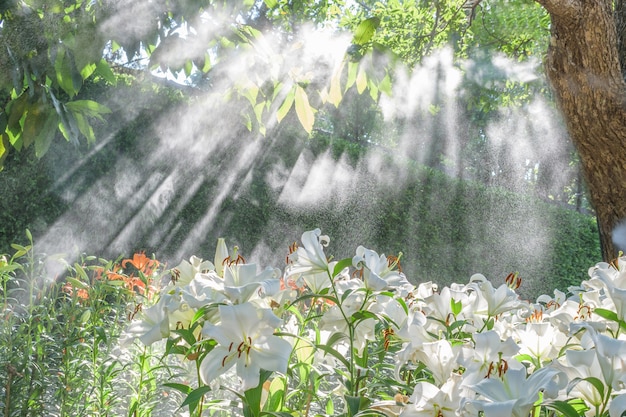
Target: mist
<point>172,178</point>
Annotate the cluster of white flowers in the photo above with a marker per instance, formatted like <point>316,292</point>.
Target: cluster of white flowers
<point>483,348</point>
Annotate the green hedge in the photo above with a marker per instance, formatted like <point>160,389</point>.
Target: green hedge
<point>446,228</point>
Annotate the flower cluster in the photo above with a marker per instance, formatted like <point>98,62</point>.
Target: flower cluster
<point>354,336</point>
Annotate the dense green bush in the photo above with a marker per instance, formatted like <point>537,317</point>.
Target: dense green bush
<point>446,228</point>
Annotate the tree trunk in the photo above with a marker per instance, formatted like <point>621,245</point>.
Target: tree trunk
<point>583,68</point>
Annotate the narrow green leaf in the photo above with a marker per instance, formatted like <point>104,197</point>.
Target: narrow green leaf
<point>563,407</point>
<point>188,67</point>
<point>353,68</point>
<point>607,314</point>
<point>194,397</point>
<point>334,94</point>
<point>596,382</point>
<point>81,272</point>
<point>88,108</point>
<point>185,389</point>
<point>286,106</point>
<point>207,63</point>
<point>306,113</point>
<point>328,349</point>
<point>385,85</point>
<point>64,69</point>
<point>361,80</point>
<point>77,283</point>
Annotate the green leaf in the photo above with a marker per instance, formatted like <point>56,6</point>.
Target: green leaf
<point>353,68</point>
<point>361,80</point>
<point>33,124</point>
<point>355,404</point>
<point>306,113</point>
<point>65,71</point>
<point>365,30</point>
<point>597,384</point>
<point>330,350</point>
<point>334,94</point>
<point>185,389</point>
<point>607,314</point>
<point>16,109</point>
<point>385,85</point>
<point>77,283</point>
<point>103,69</point>
<point>88,108</point>
<point>566,408</point>
<point>455,307</point>
<point>276,394</point>
<point>46,135</point>
<point>88,70</point>
<point>341,265</point>
<point>194,397</point>
<point>286,106</point>
<point>252,406</point>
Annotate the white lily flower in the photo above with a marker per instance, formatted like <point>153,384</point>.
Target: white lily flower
<point>617,407</point>
<point>440,357</point>
<point>428,400</point>
<point>186,270</point>
<point>204,289</point>
<point>241,282</point>
<point>153,323</point>
<point>483,358</point>
<point>582,364</point>
<point>515,395</point>
<point>310,258</point>
<point>541,341</point>
<point>378,274</point>
<point>335,322</point>
<point>221,255</point>
<point>491,302</point>
<point>246,340</point>
<point>612,359</point>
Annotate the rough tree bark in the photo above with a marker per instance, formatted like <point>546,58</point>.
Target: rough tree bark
<point>584,70</point>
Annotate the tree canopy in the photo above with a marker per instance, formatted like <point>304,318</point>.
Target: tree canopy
<point>56,53</point>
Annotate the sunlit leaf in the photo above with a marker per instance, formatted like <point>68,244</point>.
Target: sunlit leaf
<point>88,108</point>
<point>385,85</point>
<point>334,94</point>
<point>64,68</point>
<point>353,68</point>
<point>286,106</point>
<point>365,30</point>
<point>571,408</point>
<point>87,70</point>
<point>103,69</point>
<point>207,63</point>
<point>306,113</point>
<point>361,80</point>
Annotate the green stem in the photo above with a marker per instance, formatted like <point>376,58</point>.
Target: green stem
<point>201,402</point>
